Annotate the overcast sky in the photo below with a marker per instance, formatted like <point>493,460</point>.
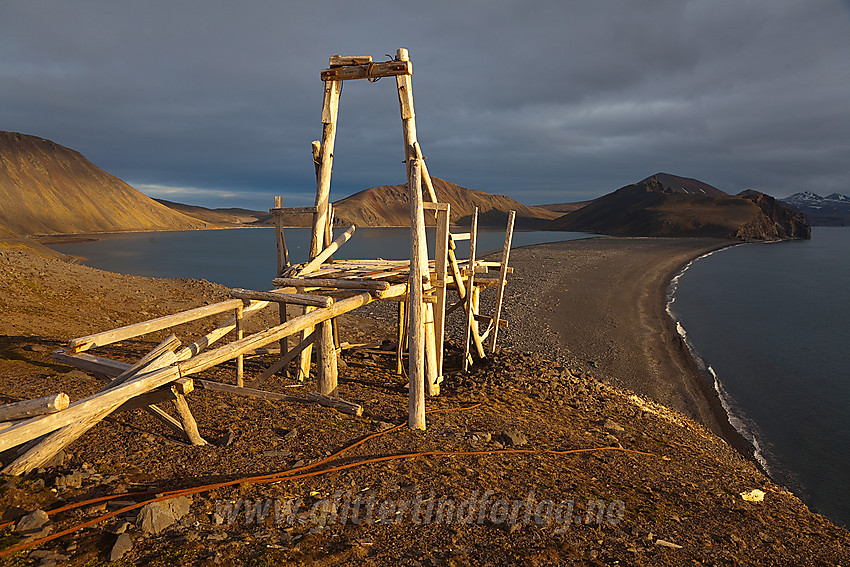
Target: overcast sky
<point>216,103</point>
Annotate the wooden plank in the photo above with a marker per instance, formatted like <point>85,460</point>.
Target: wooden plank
<point>292,210</point>
<point>145,327</point>
<point>283,361</point>
<point>503,275</point>
<point>401,333</point>
<point>282,297</point>
<point>170,343</point>
<point>435,206</point>
<point>368,71</point>
<point>312,397</point>
<point>320,258</point>
<point>338,60</point>
<point>331,283</point>
<point>37,406</point>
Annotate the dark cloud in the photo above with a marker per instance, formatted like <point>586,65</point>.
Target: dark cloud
<point>544,101</point>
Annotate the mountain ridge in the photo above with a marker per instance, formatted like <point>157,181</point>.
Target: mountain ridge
<point>832,210</point>
<point>668,205</point>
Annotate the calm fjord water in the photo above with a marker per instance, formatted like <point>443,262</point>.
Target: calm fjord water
<point>771,321</point>
<point>245,257</point>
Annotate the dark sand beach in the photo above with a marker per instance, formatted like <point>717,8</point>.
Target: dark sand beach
<point>600,304</point>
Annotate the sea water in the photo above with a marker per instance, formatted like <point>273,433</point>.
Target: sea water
<point>246,257</point>
<point>771,325</point>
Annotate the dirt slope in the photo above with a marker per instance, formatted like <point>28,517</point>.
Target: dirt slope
<point>46,188</point>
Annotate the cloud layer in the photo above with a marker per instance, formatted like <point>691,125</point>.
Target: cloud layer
<point>542,101</point>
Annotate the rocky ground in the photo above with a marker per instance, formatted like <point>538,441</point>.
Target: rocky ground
<point>489,482</point>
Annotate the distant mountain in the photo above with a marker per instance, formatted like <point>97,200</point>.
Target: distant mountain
<point>832,210</point>
<point>389,205</point>
<point>46,188</point>
<point>224,217</point>
<point>669,205</point>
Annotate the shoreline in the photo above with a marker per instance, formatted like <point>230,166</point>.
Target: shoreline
<point>603,302</point>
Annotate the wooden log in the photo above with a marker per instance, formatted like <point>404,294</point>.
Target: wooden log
<point>170,343</point>
<point>257,340</point>
<point>312,397</point>
<point>416,325</point>
<point>83,414</point>
<point>283,361</point>
<point>331,283</point>
<point>6,424</point>
<point>327,252</point>
<point>240,360</point>
<point>190,426</point>
<point>37,406</point>
<point>339,60</point>
<point>330,108</point>
<point>145,327</point>
<point>327,370</point>
<point>219,332</point>
<point>470,274</point>
<point>440,271</point>
<point>158,396</point>
<point>280,238</point>
<point>293,210</point>
<point>368,71</point>
<point>503,275</point>
<point>281,297</point>
<point>90,363</point>
<point>306,353</point>
<point>401,333</point>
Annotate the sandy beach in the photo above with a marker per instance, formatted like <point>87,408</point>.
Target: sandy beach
<point>601,304</point>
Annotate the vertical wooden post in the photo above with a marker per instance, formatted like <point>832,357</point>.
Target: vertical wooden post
<point>330,108</point>
<point>416,326</point>
<point>327,369</point>
<point>400,331</point>
<point>408,121</point>
<point>240,360</point>
<point>503,274</point>
<point>440,259</point>
<point>470,286</point>
<point>282,264</point>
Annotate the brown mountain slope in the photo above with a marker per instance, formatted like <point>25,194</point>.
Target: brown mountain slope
<point>229,216</point>
<point>46,188</point>
<point>668,205</point>
<point>389,205</point>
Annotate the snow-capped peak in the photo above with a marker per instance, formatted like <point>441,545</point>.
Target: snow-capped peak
<point>805,196</point>
<point>838,197</point>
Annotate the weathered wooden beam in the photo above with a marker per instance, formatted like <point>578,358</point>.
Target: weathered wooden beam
<point>37,406</point>
<point>145,327</point>
<point>332,283</point>
<point>339,60</point>
<point>86,412</point>
<point>280,238</point>
<point>90,363</point>
<point>190,426</point>
<point>283,360</point>
<point>368,71</point>
<point>503,276</point>
<point>470,274</point>
<point>282,297</point>
<point>327,252</point>
<point>227,352</point>
<point>292,210</point>
<point>330,109</point>
<point>312,397</point>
